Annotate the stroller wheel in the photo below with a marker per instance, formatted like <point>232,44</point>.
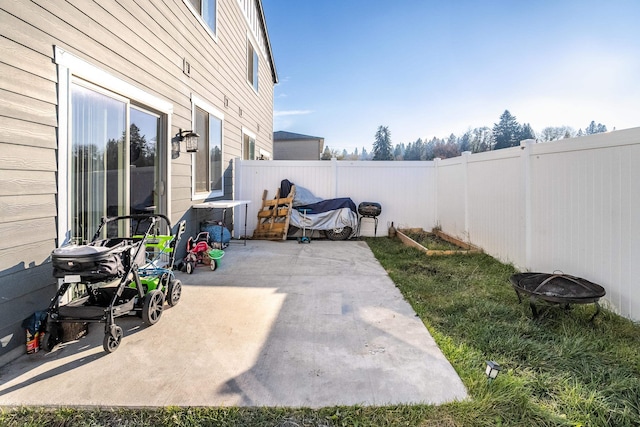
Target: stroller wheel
<point>112,339</point>
<point>174,291</point>
<point>214,264</point>
<point>189,268</point>
<point>50,338</point>
<point>152,307</point>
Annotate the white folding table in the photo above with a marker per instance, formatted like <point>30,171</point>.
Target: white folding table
<point>224,205</point>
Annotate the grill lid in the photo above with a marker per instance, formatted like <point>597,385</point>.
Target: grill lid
<point>371,209</point>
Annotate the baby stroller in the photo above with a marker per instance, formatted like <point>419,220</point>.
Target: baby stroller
<point>105,279</point>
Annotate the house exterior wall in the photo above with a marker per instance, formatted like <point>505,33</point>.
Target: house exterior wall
<point>144,45</point>
<point>297,149</point>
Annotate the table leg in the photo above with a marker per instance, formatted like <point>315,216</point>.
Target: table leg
<point>246,209</point>
<point>222,226</point>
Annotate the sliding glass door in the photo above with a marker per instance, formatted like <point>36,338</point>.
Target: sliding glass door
<point>114,160</point>
<point>143,161</point>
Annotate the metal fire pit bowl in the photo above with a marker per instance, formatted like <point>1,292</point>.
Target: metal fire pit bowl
<point>556,288</point>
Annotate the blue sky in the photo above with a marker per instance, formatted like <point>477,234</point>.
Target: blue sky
<point>431,68</point>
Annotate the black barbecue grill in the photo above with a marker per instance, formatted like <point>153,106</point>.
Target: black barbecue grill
<point>369,210</point>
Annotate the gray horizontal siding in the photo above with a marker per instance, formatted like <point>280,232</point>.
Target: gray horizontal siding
<point>142,43</point>
<point>296,150</point>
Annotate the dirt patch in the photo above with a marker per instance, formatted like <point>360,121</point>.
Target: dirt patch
<point>430,241</point>
<point>435,243</point>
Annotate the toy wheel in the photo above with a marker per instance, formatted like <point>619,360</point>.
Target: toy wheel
<point>152,307</point>
<point>214,264</point>
<point>190,267</point>
<point>112,340</point>
<point>174,291</point>
<point>339,233</point>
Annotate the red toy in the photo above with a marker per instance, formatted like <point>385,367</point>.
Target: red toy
<point>197,251</point>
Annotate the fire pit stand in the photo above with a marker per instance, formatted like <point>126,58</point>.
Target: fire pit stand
<point>556,288</point>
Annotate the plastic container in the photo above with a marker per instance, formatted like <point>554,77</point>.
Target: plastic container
<point>215,255</point>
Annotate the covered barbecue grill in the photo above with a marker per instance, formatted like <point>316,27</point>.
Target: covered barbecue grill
<point>556,288</point>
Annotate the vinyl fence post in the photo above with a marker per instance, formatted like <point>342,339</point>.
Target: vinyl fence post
<point>465,171</point>
<point>525,157</point>
<point>334,176</point>
<point>436,214</point>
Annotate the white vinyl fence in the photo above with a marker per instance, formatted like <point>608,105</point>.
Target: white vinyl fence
<point>570,205</point>
<point>404,189</point>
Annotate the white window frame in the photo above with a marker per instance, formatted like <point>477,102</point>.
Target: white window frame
<point>70,67</point>
<point>213,32</point>
<point>196,101</point>
<point>250,134</point>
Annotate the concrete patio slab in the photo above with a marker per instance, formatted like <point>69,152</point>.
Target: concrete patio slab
<point>277,324</point>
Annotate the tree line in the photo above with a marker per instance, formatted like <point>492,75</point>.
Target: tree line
<point>506,133</point>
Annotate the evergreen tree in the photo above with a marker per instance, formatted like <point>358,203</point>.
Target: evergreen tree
<point>465,142</point>
<point>595,128</point>
<point>506,132</point>
<point>415,150</point>
<point>326,154</point>
<point>382,144</point>
<point>526,133</point>
<point>398,152</point>
<point>429,149</point>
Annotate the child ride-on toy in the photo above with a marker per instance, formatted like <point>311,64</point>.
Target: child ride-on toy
<point>199,252</point>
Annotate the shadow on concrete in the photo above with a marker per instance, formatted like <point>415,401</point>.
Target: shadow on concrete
<point>277,324</point>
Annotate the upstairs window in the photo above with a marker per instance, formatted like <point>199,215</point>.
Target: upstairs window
<point>252,66</point>
<point>206,11</point>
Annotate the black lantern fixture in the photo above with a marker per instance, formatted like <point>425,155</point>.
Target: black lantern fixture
<point>493,369</point>
<point>190,139</point>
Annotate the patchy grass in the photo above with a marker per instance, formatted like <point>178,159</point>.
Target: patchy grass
<point>560,370</point>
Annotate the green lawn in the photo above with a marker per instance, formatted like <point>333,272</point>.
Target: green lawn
<point>557,370</point>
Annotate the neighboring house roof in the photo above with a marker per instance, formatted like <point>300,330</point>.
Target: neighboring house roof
<point>272,62</point>
<point>290,136</point>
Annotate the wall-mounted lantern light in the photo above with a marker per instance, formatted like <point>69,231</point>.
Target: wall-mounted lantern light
<point>493,369</point>
<point>190,139</point>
